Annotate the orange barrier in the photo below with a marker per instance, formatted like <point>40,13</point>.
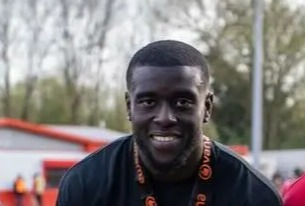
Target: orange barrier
<point>49,198</point>
<point>240,149</point>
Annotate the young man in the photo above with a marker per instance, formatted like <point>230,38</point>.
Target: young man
<point>20,190</point>
<point>287,184</point>
<point>38,188</point>
<point>295,194</point>
<point>167,160</point>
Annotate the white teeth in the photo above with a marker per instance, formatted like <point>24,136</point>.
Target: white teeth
<point>163,139</point>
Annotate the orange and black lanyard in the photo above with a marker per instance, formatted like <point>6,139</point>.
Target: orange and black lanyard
<point>202,190</point>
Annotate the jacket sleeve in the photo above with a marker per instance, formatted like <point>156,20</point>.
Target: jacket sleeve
<point>71,190</point>
<point>264,196</point>
<point>266,201</point>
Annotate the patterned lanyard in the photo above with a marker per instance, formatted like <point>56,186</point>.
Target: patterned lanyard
<point>202,190</point>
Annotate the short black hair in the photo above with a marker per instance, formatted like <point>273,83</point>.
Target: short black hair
<point>168,53</point>
<point>298,172</point>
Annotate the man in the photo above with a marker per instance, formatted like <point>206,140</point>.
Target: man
<point>297,172</point>
<point>20,190</point>
<point>38,188</point>
<point>167,161</point>
<point>295,194</point>
<point>277,180</point>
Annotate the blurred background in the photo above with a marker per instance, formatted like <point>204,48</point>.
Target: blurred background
<point>62,80</point>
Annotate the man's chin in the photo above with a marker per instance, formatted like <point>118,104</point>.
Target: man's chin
<point>159,160</point>
<point>165,165</point>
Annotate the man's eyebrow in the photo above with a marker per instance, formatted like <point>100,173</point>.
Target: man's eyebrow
<point>184,93</point>
<point>145,94</point>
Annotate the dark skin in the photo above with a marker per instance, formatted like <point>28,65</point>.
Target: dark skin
<point>169,103</point>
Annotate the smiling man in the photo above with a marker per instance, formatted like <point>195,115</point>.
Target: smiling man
<point>167,161</point>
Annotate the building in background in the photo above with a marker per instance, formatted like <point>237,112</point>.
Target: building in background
<point>27,149</point>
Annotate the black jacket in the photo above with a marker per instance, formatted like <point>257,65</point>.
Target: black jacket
<point>107,178</point>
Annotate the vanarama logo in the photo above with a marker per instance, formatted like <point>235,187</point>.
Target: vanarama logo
<point>150,201</point>
<point>138,167</point>
<point>140,174</point>
<point>205,170</point>
<point>201,200</point>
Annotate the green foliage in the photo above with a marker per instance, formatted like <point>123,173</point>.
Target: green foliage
<point>226,40</point>
<point>116,114</point>
<point>210,130</point>
<point>231,61</point>
<point>51,102</point>
<point>50,105</point>
<point>228,43</point>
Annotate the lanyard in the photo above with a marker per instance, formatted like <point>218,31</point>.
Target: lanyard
<point>202,190</point>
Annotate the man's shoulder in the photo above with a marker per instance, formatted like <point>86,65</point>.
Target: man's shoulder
<point>100,159</point>
<point>118,146</point>
<point>227,156</point>
<point>91,179</point>
<point>245,175</point>
<point>112,150</point>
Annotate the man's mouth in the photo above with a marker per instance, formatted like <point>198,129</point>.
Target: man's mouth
<point>163,138</point>
<point>165,142</point>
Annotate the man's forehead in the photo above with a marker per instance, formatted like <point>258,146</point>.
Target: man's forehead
<point>144,73</point>
<point>166,78</point>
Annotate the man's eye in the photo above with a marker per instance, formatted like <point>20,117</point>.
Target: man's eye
<point>184,103</point>
<point>147,102</point>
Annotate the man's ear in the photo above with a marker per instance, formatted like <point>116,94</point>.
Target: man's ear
<point>127,101</point>
<point>208,107</point>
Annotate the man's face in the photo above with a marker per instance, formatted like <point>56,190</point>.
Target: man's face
<point>167,106</point>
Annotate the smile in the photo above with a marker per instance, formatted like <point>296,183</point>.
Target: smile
<point>165,142</point>
<point>164,138</point>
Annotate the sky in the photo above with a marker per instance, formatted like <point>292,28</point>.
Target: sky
<point>118,52</point>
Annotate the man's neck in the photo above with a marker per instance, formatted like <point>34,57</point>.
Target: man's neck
<point>183,172</point>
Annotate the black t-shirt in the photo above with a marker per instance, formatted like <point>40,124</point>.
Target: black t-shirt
<point>107,178</point>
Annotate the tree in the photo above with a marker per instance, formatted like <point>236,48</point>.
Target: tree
<point>47,107</point>
<point>6,8</point>
<point>224,35</point>
<point>115,115</point>
<point>94,18</point>
<point>38,46</point>
<point>48,103</point>
<point>285,52</point>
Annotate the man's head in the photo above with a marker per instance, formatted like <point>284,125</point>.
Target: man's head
<point>297,172</point>
<point>168,100</point>
<point>168,53</point>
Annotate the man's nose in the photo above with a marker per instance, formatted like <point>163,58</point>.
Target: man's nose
<point>165,116</point>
